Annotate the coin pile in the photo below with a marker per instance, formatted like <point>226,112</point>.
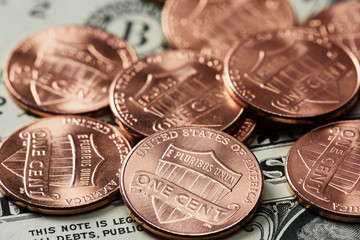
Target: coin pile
<point>188,110</point>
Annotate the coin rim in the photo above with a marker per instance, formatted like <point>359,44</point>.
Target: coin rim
<point>167,233</point>
<point>169,4</point>
<point>137,132</point>
<point>62,210</point>
<point>287,118</point>
<point>304,200</point>
<point>34,108</point>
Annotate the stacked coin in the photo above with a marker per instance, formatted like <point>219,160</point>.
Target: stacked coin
<point>67,164</point>
<point>289,75</point>
<point>70,164</point>
<point>322,166</point>
<point>188,177</point>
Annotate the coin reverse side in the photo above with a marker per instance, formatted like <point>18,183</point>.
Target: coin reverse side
<point>66,70</point>
<point>172,89</point>
<point>213,26</point>
<point>323,170</point>
<point>63,164</point>
<point>191,182</point>
<point>292,76</point>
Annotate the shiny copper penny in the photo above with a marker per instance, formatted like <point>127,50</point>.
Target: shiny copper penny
<point>291,76</point>
<point>66,70</point>
<point>323,170</point>
<point>213,26</point>
<point>172,88</point>
<point>340,23</point>
<point>62,165</point>
<point>191,182</point>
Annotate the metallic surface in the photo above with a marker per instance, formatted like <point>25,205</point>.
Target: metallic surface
<point>340,23</point>
<point>172,88</point>
<point>291,76</point>
<point>66,70</point>
<point>63,164</point>
<point>245,131</point>
<point>213,26</point>
<point>322,169</point>
<point>191,182</point>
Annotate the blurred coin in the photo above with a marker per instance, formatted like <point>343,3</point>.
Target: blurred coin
<point>63,164</point>
<point>291,76</point>
<point>172,88</point>
<point>213,26</point>
<point>323,170</point>
<point>66,70</point>
<point>340,23</point>
<point>191,182</point>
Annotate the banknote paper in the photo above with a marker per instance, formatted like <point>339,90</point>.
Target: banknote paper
<point>280,216</point>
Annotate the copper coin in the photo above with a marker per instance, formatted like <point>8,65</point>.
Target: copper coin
<point>322,169</point>
<point>291,76</point>
<point>213,26</point>
<point>66,70</point>
<point>191,182</point>
<point>63,164</point>
<point>340,23</point>
<point>172,88</point>
<point>245,130</point>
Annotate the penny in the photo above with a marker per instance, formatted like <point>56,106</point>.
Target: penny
<point>245,130</point>
<point>191,182</point>
<point>213,26</point>
<point>62,164</point>
<point>292,76</point>
<point>322,169</point>
<point>66,70</point>
<point>172,88</point>
<point>340,23</point>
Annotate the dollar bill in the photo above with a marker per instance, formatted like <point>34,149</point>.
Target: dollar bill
<point>280,216</point>
<point>305,8</point>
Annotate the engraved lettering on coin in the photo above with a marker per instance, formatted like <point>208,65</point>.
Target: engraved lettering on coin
<point>173,88</point>
<point>192,181</point>
<point>323,170</point>
<point>60,165</point>
<point>245,130</point>
<point>167,189</point>
<point>48,74</point>
<point>290,76</point>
